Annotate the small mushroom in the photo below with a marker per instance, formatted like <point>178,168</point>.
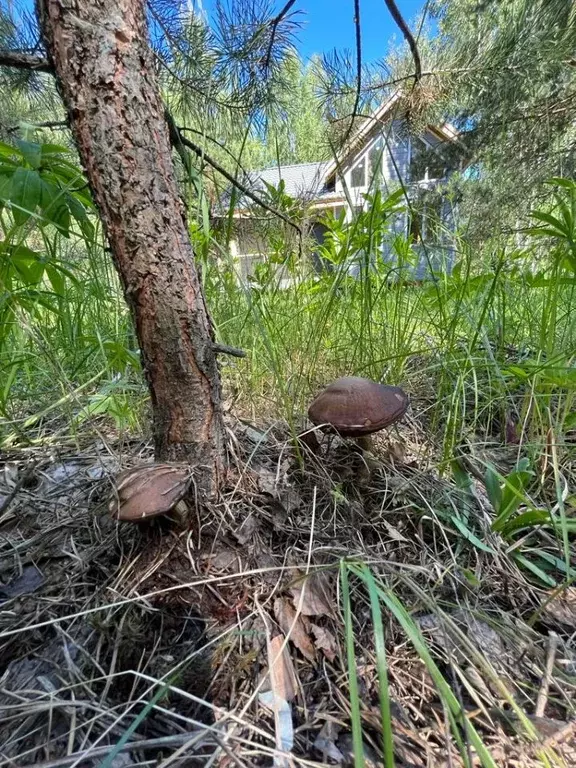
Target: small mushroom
<point>145,492</point>
<point>357,407</point>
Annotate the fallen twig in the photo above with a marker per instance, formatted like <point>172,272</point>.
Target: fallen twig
<point>542,699</point>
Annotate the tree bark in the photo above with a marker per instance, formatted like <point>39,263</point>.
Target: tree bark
<point>100,54</point>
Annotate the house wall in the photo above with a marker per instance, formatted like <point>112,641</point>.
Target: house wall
<point>394,154</point>
<point>395,149</point>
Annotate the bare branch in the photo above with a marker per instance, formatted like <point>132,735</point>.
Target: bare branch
<point>408,36</point>
<point>358,79</point>
<point>28,61</point>
<point>274,24</point>
<point>225,349</point>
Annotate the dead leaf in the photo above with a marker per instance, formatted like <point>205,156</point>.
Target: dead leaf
<point>562,608</point>
<point>293,627</point>
<point>278,513</point>
<point>270,567</point>
<point>477,682</point>
<point>225,560</point>
<point>325,741</point>
<point>10,472</point>
<point>282,677</point>
<point>311,595</point>
<point>397,451</point>
<point>393,532</point>
<point>248,528</point>
<point>253,434</point>
<point>346,746</point>
<point>28,581</point>
<point>290,500</point>
<point>267,480</point>
<point>324,640</point>
<point>552,731</point>
<point>486,639</point>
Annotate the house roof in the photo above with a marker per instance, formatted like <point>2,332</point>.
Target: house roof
<point>300,180</point>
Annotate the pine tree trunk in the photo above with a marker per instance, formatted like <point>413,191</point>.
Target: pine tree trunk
<point>104,68</point>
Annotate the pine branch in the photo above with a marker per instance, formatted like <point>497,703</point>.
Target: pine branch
<point>273,27</point>
<point>178,142</point>
<point>408,36</point>
<point>18,60</point>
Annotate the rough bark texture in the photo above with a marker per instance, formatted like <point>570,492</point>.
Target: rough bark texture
<point>100,54</point>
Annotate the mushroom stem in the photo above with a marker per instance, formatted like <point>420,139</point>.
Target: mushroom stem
<point>366,443</point>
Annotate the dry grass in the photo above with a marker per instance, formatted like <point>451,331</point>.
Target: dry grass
<point>124,645</point>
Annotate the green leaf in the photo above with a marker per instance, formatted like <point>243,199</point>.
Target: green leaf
<point>54,149</point>
<point>512,494</point>
<point>457,715</point>
<point>28,264</point>
<point>461,477</point>
<point>382,667</point>
<point>50,196</point>
<point>533,568</point>
<point>7,151</point>
<point>78,211</point>
<point>555,562</point>
<point>471,577</point>
<point>357,739</point>
<point>6,186</point>
<point>544,232</point>
<point>60,217</point>
<point>25,194</point>
<point>471,537</point>
<point>556,224</point>
<point>528,519</point>
<point>30,272</point>
<point>19,252</point>
<point>31,152</point>
<point>493,489</point>
<point>76,208</point>
<point>560,182</point>
<point>56,279</point>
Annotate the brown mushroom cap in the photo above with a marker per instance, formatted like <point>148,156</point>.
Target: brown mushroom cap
<point>355,407</point>
<point>145,492</point>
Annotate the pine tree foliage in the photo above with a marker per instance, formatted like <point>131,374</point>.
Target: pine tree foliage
<point>507,73</point>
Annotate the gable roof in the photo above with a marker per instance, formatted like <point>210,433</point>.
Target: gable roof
<point>381,115</point>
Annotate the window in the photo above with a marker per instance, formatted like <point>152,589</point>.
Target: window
<point>358,175</point>
<point>426,162</point>
<point>434,219</point>
<point>425,219</point>
<point>375,157</point>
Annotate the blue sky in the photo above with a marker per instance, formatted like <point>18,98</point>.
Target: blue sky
<point>329,24</point>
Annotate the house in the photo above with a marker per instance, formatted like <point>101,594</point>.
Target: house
<point>381,154</point>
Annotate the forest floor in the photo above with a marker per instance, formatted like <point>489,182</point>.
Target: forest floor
<point>252,638</point>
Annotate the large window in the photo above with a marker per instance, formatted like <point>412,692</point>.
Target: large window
<point>375,156</point>
<point>426,219</point>
<point>358,175</point>
<point>426,162</point>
